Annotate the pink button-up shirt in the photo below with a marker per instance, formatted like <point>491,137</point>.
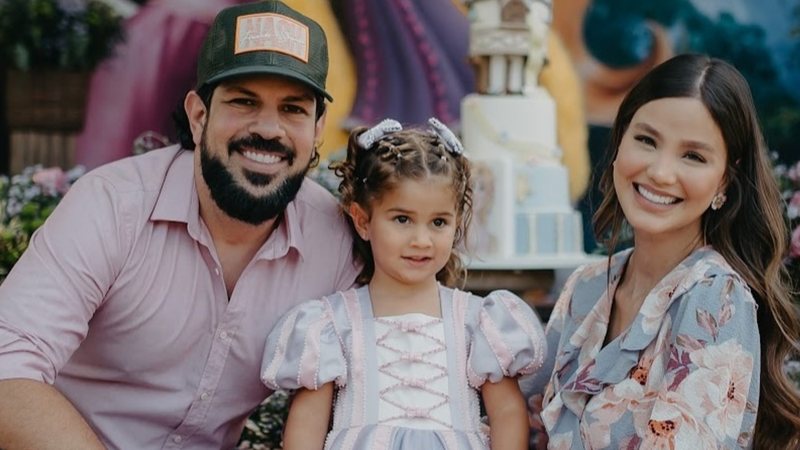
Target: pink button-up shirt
<point>120,302</point>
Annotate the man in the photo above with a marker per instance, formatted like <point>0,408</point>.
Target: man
<point>138,315</point>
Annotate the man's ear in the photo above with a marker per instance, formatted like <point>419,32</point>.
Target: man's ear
<point>360,220</point>
<point>197,113</point>
<point>319,127</point>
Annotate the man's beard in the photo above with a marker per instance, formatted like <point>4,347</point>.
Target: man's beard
<point>235,200</point>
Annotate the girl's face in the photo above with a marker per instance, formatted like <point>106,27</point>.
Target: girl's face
<point>411,231</point>
<point>669,166</point>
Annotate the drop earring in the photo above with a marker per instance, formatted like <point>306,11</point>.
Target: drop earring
<point>718,201</point>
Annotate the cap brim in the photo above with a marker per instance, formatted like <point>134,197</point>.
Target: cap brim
<point>268,70</point>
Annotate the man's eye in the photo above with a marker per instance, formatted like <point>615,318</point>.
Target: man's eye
<point>294,109</point>
<point>243,101</point>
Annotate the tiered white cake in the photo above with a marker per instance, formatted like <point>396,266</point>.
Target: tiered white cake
<point>521,205</point>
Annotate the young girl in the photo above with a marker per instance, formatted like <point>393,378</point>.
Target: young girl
<point>679,342</point>
<point>407,356</point>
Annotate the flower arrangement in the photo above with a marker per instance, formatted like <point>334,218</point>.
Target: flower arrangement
<point>71,35</point>
<point>25,202</point>
<point>789,181</point>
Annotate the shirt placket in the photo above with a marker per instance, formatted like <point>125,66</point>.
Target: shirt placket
<point>224,337</point>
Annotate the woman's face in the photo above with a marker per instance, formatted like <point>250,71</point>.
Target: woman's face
<point>669,166</point>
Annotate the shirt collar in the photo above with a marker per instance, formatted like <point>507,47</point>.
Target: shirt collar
<point>177,202</point>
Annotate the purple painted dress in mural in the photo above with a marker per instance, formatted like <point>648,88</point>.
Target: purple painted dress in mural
<point>411,59</point>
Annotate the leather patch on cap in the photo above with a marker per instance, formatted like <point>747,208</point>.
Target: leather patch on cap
<point>273,32</point>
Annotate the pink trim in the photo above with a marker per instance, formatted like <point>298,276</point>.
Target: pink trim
<point>269,374</point>
<point>459,313</point>
<point>308,376</point>
<point>496,343</point>
<point>349,441</point>
<point>381,438</point>
<point>450,439</point>
<point>357,385</point>
<point>474,442</point>
<point>535,333</point>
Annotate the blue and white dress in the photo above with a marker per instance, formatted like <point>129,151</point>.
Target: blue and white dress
<point>409,381</point>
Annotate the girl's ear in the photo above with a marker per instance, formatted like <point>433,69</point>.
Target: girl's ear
<point>360,220</point>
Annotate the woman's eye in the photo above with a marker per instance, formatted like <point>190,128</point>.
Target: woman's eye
<point>694,156</point>
<point>646,140</point>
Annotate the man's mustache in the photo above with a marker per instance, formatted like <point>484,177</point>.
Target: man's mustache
<point>256,142</point>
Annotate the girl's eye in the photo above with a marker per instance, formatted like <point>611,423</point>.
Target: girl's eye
<point>401,219</point>
<point>646,140</point>
<point>438,223</point>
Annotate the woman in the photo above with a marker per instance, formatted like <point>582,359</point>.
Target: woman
<point>679,341</point>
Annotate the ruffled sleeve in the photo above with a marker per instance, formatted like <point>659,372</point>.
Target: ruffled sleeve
<point>508,340</point>
<point>304,349</point>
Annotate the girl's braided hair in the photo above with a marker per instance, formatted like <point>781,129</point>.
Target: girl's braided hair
<point>412,154</point>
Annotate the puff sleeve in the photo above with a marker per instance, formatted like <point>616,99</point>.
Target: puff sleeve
<point>507,339</point>
<point>304,349</point>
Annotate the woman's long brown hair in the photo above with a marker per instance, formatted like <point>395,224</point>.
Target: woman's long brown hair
<point>749,230</point>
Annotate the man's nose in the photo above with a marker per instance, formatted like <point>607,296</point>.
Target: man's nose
<point>267,124</point>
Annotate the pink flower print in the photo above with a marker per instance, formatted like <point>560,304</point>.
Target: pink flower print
<point>561,441</point>
<point>717,389</point>
<point>53,181</point>
<point>794,249</point>
<point>671,425</point>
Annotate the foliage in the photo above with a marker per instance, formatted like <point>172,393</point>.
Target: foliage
<point>264,427</point>
<point>26,200</point>
<point>57,34</point>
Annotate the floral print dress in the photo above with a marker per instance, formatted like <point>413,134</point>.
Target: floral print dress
<point>685,375</point>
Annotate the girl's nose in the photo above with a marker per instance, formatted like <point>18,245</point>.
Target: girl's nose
<point>422,237</point>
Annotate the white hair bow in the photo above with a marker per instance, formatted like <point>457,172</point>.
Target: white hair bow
<point>368,138</point>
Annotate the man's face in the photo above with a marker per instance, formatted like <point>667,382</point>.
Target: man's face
<point>256,142</point>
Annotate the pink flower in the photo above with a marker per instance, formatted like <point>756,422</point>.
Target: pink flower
<point>53,181</point>
<point>794,249</point>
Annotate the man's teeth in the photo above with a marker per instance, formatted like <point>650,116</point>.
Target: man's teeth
<point>260,157</point>
<point>655,198</point>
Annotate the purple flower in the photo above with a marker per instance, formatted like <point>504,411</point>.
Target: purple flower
<point>794,249</point>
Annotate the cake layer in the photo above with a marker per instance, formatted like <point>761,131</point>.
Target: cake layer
<point>522,127</point>
<point>541,186</point>
<point>546,233</point>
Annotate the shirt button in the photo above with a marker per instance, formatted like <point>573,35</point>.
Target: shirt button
<point>177,439</point>
<point>204,396</point>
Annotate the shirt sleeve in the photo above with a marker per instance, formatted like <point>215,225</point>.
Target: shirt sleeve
<point>508,340</point>
<point>537,382</point>
<point>52,292</point>
<point>304,350</point>
<point>710,392</point>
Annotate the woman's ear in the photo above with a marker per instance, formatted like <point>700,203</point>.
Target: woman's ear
<point>360,220</point>
<point>197,113</point>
